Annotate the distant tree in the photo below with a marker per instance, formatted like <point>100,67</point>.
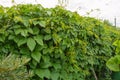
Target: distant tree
<point>107,22</point>
<point>63,3</point>
<point>13,2</point>
<point>92,10</point>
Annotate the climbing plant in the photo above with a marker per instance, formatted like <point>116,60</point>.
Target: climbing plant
<point>61,44</point>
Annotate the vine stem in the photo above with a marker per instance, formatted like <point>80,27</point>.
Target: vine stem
<point>95,76</point>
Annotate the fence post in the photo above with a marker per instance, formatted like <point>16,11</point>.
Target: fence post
<point>115,20</point>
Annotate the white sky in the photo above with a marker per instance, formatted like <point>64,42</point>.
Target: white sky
<point>108,9</point>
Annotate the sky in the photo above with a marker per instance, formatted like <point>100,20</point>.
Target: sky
<point>102,9</point>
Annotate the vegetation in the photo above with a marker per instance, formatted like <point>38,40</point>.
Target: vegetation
<point>114,62</point>
<point>61,45</point>
<point>12,68</point>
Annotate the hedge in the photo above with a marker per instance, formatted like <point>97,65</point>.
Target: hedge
<point>61,44</point>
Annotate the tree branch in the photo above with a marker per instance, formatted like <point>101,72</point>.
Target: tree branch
<point>95,76</point>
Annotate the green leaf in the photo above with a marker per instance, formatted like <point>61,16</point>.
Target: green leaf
<point>35,22</point>
<point>45,51</point>
<point>57,66</point>
<point>17,31</point>
<point>39,39</point>
<point>30,30</point>
<point>47,37</point>
<point>47,30</point>
<point>24,33</point>
<point>24,51</point>
<point>36,56</point>
<point>11,37</point>
<point>42,23</point>
<point>49,13</point>
<point>22,41</point>
<point>55,75</point>
<point>56,38</point>
<point>26,23</point>
<point>2,38</point>
<point>31,44</point>
<point>46,59</point>
<point>16,39</point>
<point>114,63</point>
<point>33,64</point>
<point>36,30</point>
<point>117,51</point>
<point>18,19</point>
<point>115,43</point>
<point>43,73</point>
<point>45,65</point>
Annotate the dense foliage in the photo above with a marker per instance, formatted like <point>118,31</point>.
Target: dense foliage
<point>61,44</point>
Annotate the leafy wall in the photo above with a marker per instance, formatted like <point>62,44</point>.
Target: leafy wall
<point>62,45</point>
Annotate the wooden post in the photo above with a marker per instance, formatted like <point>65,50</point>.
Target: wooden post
<point>115,20</point>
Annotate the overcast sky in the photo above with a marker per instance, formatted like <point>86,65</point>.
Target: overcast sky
<point>103,9</point>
